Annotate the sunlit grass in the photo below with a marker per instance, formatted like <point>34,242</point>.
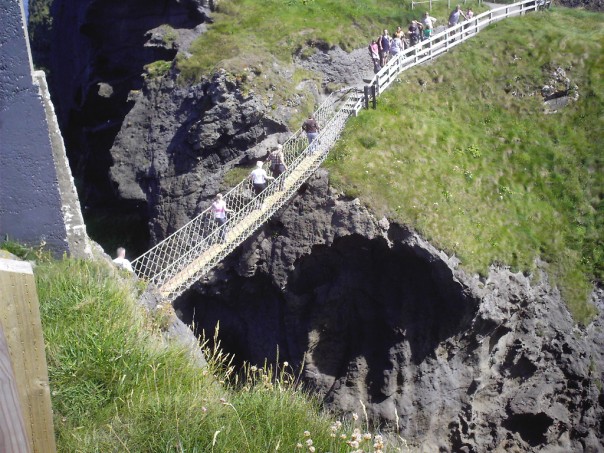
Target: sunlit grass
<point>253,30</point>
<point>116,385</point>
<point>254,42</point>
<point>485,174</point>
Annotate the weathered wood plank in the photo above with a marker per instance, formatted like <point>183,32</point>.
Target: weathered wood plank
<point>13,435</point>
<point>20,319</point>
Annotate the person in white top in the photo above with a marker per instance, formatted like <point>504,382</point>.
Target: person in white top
<point>121,260</point>
<point>259,178</point>
<point>219,209</point>
<point>428,24</point>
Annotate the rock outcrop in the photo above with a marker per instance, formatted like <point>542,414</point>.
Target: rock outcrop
<point>95,53</point>
<point>177,143</point>
<point>380,317</point>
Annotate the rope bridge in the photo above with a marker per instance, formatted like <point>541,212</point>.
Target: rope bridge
<point>175,263</point>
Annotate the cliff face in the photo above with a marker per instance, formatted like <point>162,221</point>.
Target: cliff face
<point>95,51</point>
<point>177,143</point>
<point>376,314</point>
<point>381,318</point>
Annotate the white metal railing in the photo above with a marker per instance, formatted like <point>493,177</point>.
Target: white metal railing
<point>178,261</point>
<point>447,39</point>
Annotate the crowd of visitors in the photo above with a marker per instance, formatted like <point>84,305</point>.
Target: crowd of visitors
<point>386,46</point>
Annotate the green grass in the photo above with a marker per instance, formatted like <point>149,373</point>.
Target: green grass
<point>117,386</point>
<point>485,174</point>
<point>280,28</point>
<point>255,40</point>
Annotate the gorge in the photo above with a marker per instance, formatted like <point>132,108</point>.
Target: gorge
<point>376,314</point>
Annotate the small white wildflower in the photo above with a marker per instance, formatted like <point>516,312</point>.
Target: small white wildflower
<point>306,433</point>
<point>367,436</point>
<point>308,442</point>
<point>254,368</point>
<point>298,445</point>
<point>355,416</point>
<point>342,436</point>
<point>311,449</point>
<point>204,409</point>
<point>285,363</point>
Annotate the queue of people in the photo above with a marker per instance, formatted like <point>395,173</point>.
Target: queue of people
<point>385,46</point>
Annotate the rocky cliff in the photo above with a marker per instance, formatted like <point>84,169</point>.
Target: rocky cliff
<point>375,313</point>
<point>381,318</point>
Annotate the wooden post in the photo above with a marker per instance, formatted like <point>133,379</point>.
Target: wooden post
<point>366,93</point>
<point>20,320</point>
<point>374,95</point>
<point>13,435</point>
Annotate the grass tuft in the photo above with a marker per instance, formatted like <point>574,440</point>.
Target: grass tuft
<point>117,386</point>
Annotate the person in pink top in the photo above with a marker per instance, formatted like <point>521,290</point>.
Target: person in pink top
<point>374,52</point>
<point>219,209</point>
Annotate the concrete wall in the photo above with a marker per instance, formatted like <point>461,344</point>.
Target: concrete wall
<point>38,202</point>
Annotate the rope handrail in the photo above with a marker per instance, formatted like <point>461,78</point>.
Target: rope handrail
<point>186,255</point>
<point>170,256</point>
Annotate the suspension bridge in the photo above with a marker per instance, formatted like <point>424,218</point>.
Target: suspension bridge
<point>175,263</point>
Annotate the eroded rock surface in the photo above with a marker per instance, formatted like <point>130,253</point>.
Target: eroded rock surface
<point>381,317</point>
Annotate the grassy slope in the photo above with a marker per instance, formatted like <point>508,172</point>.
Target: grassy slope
<point>116,387</point>
<point>254,40</point>
<point>482,173</point>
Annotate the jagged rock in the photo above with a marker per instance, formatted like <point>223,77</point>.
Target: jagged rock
<point>177,143</point>
<point>381,317</point>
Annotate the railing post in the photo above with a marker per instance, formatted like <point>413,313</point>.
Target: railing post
<point>366,94</point>
<point>374,94</point>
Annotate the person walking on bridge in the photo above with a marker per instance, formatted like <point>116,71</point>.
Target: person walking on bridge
<point>374,53</point>
<point>278,166</point>
<point>219,209</point>
<point>384,46</point>
<point>259,178</point>
<point>454,17</point>
<point>311,127</point>
<point>428,25</point>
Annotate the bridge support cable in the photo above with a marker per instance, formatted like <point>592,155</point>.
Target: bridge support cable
<point>175,263</point>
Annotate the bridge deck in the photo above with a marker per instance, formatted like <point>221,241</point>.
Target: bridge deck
<point>232,235</point>
<point>176,262</point>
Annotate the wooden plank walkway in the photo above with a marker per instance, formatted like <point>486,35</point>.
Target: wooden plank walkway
<point>278,198</point>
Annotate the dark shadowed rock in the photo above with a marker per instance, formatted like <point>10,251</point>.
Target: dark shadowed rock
<point>382,318</point>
